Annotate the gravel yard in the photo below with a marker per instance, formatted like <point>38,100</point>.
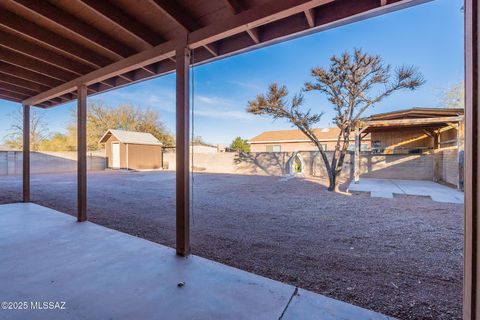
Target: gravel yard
<point>400,256</point>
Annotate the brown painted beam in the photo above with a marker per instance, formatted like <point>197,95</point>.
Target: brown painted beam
<point>471,276</point>
<point>28,75</point>
<point>14,95</point>
<point>26,153</point>
<point>236,6</point>
<point>269,15</point>
<point>19,82</point>
<point>82,153</point>
<point>23,61</point>
<point>310,16</point>
<point>38,52</point>
<point>69,22</point>
<point>19,25</point>
<point>182,152</point>
<point>13,88</point>
<point>254,34</point>
<point>177,14</point>
<point>126,22</point>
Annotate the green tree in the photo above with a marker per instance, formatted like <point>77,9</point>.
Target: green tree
<point>454,96</point>
<point>352,84</point>
<point>240,145</point>
<point>58,142</point>
<point>100,118</point>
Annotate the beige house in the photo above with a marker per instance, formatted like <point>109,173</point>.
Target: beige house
<point>132,150</point>
<point>296,140</point>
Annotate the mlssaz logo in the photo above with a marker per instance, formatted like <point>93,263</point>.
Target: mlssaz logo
<point>47,305</point>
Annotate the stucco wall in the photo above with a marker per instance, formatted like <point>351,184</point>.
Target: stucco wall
<point>11,162</point>
<point>380,166</point>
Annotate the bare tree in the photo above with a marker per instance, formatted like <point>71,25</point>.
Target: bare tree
<point>353,83</point>
<point>454,96</point>
<point>38,130</point>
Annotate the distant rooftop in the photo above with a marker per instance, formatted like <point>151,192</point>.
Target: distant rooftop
<point>417,112</point>
<point>325,134</point>
<point>132,137</point>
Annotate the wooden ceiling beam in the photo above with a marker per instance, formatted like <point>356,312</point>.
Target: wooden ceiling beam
<point>28,75</point>
<point>155,54</point>
<point>341,12</point>
<point>310,16</point>
<point>11,94</point>
<point>254,34</point>
<point>14,88</point>
<point>250,19</point>
<point>186,21</point>
<point>212,49</point>
<point>23,61</point>
<point>32,50</point>
<point>66,21</point>
<point>236,6</point>
<point>177,14</point>
<point>126,22</point>
<point>8,98</point>
<point>19,82</point>
<point>21,26</point>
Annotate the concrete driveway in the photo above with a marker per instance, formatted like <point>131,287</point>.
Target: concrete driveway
<point>386,188</point>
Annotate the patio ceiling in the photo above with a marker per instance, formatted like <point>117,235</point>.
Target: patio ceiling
<point>49,48</point>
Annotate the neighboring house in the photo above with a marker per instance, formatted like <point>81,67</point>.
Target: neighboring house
<point>132,150</point>
<point>201,147</point>
<point>296,140</point>
<point>415,130</point>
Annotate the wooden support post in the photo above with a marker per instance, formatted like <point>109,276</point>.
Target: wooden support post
<point>436,136</point>
<point>356,169</point>
<point>471,278</point>
<point>183,151</point>
<point>460,155</point>
<point>26,153</point>
<point>82,153</point>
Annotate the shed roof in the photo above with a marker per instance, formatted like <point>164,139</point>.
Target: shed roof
<point>132,137</point>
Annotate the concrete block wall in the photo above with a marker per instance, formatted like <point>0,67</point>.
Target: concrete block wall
<point>390,166</point>
<point>447,168</point>
<point>11,162</point>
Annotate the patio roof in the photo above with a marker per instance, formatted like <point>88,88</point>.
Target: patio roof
<point>425,118</point>
<point>48,49</point>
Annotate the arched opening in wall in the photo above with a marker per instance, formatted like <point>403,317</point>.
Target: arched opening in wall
<point>296,164</point>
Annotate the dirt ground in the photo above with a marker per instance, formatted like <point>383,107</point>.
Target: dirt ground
<point>401,257</point>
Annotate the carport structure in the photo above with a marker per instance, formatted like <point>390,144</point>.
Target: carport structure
<point>56,51</point>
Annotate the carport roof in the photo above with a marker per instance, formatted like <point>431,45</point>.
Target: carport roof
<point>132,137</point>
<point>49,48</point>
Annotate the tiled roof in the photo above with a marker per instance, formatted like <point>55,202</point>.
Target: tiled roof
<point>132,137</point>
<point>295,135</point>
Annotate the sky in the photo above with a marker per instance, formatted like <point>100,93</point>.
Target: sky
<point>428,36</point>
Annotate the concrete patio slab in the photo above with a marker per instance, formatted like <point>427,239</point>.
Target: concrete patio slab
<point>104,274</point>
<point>385,188</point>
<point>307,305</point>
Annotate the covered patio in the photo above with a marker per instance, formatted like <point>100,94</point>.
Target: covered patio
<point>92,272</point>
<point>58,51</point>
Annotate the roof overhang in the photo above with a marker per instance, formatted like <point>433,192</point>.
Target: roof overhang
<point>394,124</point>
<point>48,49</point>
